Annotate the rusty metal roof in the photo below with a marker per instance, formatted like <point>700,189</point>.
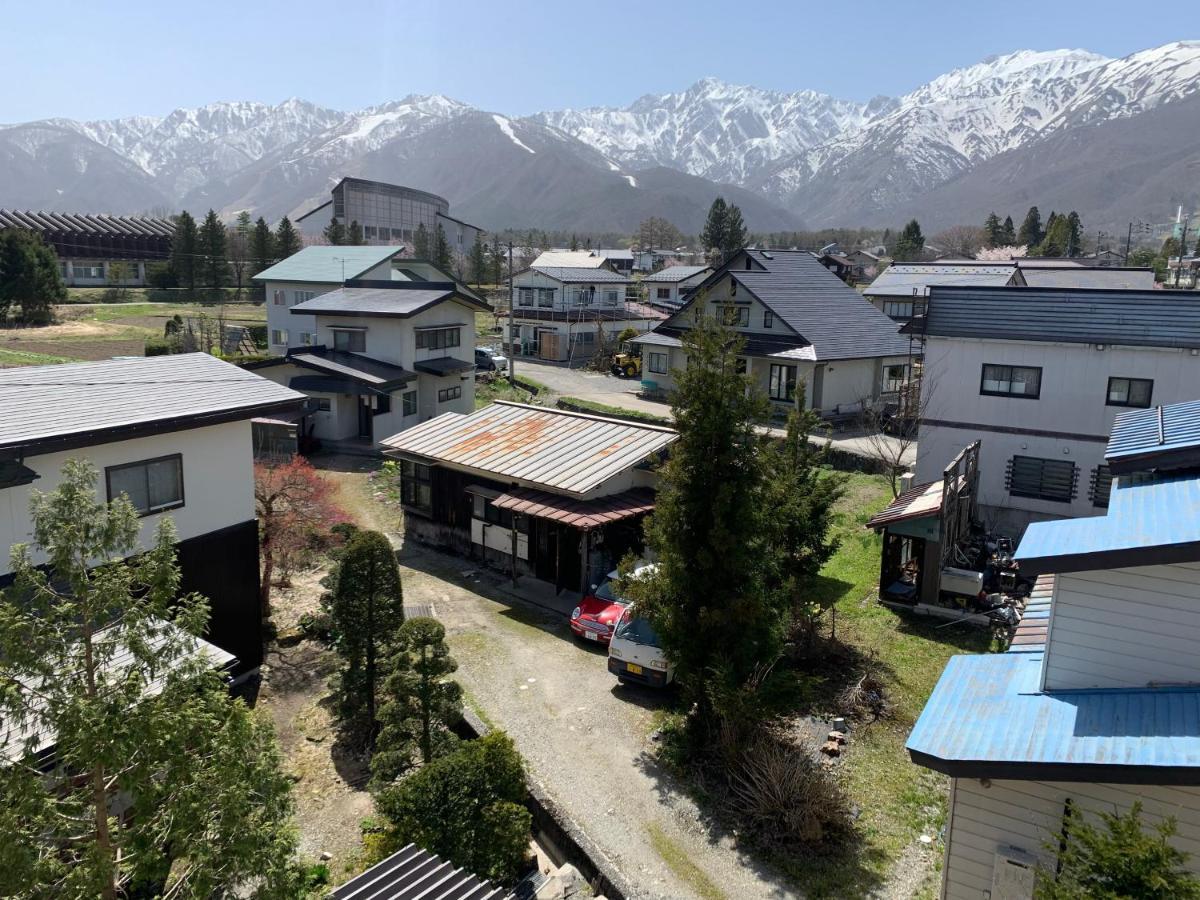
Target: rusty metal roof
<point>566,452</point>
<point>583,514</point>
<point>916,503</point>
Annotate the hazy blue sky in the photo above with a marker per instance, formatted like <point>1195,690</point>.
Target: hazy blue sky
<point>105,59</point>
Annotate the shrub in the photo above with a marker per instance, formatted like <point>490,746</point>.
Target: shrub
<point>258,334</point>
<point>159,347</point>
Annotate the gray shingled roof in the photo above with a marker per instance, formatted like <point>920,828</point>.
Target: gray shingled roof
<point>396,302</point>
<point>1089,277</point>
<point>831,316</point>
<point>575,275</point>
<point>329,265</point>
<point>78,404</point>
<point>903,279</point>
<point>1130,318</point>
<point>673,274</point>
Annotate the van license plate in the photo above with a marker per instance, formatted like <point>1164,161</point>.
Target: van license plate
<point>634,668</point>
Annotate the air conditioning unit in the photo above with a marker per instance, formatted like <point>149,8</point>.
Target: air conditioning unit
<point>1013,874</point>
<point>966,582</point>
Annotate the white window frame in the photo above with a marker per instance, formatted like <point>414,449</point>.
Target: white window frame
<point>657,362</point>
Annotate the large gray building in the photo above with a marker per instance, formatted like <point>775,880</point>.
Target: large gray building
<point>388,214</point>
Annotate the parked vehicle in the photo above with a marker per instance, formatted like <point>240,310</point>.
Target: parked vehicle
<point>489,360</point>
<point>595,618</point>
<point>634,653</point>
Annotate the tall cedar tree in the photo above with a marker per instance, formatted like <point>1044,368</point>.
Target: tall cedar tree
<point>1058,237</point>
<point>238,242</point>
<point>287,241</point>
<point>418,705</point>
<point>1008,237</point>
<point>335,232</point>
<point>574,242</point>
<point>1075,234</point>
<point>185,251</point>
<point>1119,859</point>
<point>105,660</point>
<point>213,248</point>
<point>1031,229</point>
<point>497,261</point>
<point>442,257</point>
<point>29,276</point>
<point>421,248</point>
<point>910,243</point>
<point>993,230</point>
<point>735,232</point>
<point>354,236</point>
<point>262,247</point>
<point>467,807</point>
<point>713,238</point>
<point>365,603</point>
<point>478,260</point>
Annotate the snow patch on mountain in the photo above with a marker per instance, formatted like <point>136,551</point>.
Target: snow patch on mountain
<point>506,126</point>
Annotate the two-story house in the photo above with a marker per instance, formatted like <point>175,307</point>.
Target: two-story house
<point>668,287</point>
<point>1039,375</point>
<point>563,313</point>
<point>385,355</point>
<point>900,291</point>
<point>309,273</point>
<point>1096,705</point>
<point>173,433</point>
<point>808,336</point>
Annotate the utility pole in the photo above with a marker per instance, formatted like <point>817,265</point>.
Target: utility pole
<point>512,357</point>
<point>1128,244</point>
<point>1182,247</point>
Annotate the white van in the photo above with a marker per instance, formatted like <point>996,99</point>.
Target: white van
<point>634,653</point>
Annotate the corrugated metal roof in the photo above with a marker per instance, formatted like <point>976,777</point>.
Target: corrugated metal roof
<point>578,513</point>
<point>1155,437</point>
<point>564,451</point>
<point>920,501</point>
<point>1128,318</point>
<point>1089,277</point>
<point>580,275</point>
<point>325,264</point>
<point>902,279</point>
<point>1030,633</point>
<point>40,403</point>
<point>361,301</point>
<point>674,274</point>
<point>85,223</point>
<point>988,709</point>
<point>416,874</point>
<point>1144,514</point>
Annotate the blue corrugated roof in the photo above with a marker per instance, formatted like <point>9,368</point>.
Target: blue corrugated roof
<point>324,264</point>
<point>1149,521</point>
<point>986,715</point>
<point>1154,438</point>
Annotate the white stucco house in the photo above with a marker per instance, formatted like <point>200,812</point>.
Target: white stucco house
<point>171,432</point>
<point>668,287</point>
<point>809,337</point>
<point>1039,374</point>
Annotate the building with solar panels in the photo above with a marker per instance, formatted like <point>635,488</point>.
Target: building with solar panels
<point>98,250</point>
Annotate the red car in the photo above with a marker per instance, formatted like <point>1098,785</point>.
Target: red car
<point>595,618</point>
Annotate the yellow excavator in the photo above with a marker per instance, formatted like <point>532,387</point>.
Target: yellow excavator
<point>627,361</point>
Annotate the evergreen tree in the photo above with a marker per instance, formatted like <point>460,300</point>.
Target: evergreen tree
<point>1031,234</point>
<point>185,251</point>
<point>354,236</point>
<point>441,249</point>
<point>213,249</point>
<point>1075,234</point>
<point>421,248</point>
<point>479,261</point>
<point>262,246</point>
<point>287,241</point>
<point>994,231</point>
<point>714,237</point>
<point>497,262</point>
<point>1058,236</point>
<point>1008,237</point>
<point>910,243</point>
<point>365,603</point>
<point>574,242</point>
<point>735,232</point>
<point>105,660</point>
<point>418,704</point>
<point>335,232</point>
<point>30,278</point>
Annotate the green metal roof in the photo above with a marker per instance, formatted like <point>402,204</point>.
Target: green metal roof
<point>324,264</point>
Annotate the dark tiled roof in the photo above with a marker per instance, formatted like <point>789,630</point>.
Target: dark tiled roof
<point>399,302</point>
<point>443,365</point>
<point>373,373</point>
<point>1129,318</point>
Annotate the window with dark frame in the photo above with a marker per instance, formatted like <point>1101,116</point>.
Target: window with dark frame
<point>416,489</point>
<point>409,403</point>
<point>1135,392</point>
<point>450,393</point>
<point>768,319</point>
<point>664,293</point>
<point>152,485</point>
<point>323,404</point>
<point>898,309</point>
<point>657,363</point>
<point>1041,479</point>
<point>782,384</point>
<point>737,316</point>
<point>1011,381</point>
<point>350,341</point>
<point>438,338</point>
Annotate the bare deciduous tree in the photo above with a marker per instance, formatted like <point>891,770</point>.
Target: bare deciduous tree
<point>961,240</point>
<point>889,430</point>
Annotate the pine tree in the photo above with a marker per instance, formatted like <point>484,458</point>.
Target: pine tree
<point>365,602</point>
<point>195,773</point>
<point>479,263</point>
<point>185,251</point>
<point>1008,237</point>
<point>441,249</point>
<point>335,232</point>
<point>30,278</point>
<point>574,242</point>
<point>1075,234</point>
<point>213,248</point>
<point>1031,233</point>
<point>910,243</point>
<point>713,238</point>
<point>1058,235</point>
<point>354,236</point>
<point>994,231</point>
<point>262,246</point>
<point>421,248</point>
<point>287,241</point>
<point>735,232</point>
<point>497,261</point>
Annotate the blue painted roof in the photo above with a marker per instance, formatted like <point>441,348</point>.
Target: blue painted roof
<point>1150,520</point>
<point>1152,438</point>
<point>987,714</point>
<point>324,264</point>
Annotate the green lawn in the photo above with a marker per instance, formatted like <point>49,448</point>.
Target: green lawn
<point>489,391</point>
<point>603,409</point>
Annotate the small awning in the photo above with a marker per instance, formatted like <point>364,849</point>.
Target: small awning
<point>917,503</point>
<point>14,474</point>
<point>328,384</point>
<point>443,365</point>
<point>582,514</point>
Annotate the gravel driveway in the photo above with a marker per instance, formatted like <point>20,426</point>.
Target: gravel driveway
<point>586,739</point>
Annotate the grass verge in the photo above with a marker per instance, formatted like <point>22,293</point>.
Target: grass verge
<point>679,863</point>
<point>619,412</point>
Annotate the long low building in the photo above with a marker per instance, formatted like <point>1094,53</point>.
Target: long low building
<point>543,492</point>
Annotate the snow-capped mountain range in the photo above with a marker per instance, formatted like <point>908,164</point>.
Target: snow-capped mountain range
<point>801,156</point>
